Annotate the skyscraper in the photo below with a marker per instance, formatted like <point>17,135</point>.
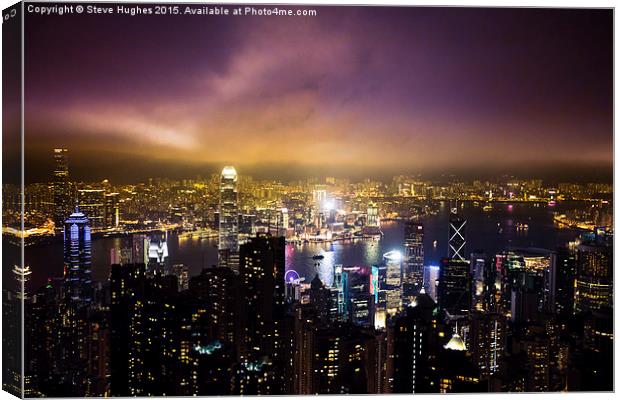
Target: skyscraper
<point>262,264</point>
<point>594,283</point>
<point>77,256</point>
<point>392,286</point>
<point>454,286</point>
<point>61,188</point>
<point>228,247</point>
<point>413,275</point>
<point>457,242</point>
<point>415,348</point>
<point>563,271</point>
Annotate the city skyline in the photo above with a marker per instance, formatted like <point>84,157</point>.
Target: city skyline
<point>324,200</point>
<point>325,93</point>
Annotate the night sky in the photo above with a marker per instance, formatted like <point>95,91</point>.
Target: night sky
<point>352,91</point>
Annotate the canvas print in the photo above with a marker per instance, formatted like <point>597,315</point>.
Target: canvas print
<point>246,199</point>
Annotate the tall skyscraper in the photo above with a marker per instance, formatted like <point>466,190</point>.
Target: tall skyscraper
<point>77,256</point>
<point>112,211</point>
<point>392,286</point>
<point>454,286</point>
<point>594,283</point>
<point>483,282</point>
<point>61,188</point>
<point>228,247</point>
<point>415,348</point>
<point>562,275</point>
<point>413,275</point>
<point>457,242</point>
<point>262,264</point>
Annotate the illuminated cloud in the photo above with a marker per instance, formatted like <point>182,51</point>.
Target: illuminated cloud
<point>380,88</point>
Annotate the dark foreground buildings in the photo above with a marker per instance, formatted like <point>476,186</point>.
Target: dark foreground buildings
<point>520,320</point>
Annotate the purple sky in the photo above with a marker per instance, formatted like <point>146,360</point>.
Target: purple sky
<point>354,88</point>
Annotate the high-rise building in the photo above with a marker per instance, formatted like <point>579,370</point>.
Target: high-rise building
<point>112,210</point>
<point>594,283</point>
<point>483,282</point>
<point>562,276</point>
<point>139,249</point>
<point>457,242</point>
<point>228,247</point>
<point>339,360</point>
<point>143,332</point>
<point>61,188</point>
<point>218,290</point>
<point>181,271</point>
<point>454,286</point>
<point>372,215</point>
<point>392,285</point>
<point>92,203</point>
<point>431,281</point>
<point>413,275</point>
<point>415,348</point>
<point>77,258</point>
<point>262,333</point>
<point>487,341</point>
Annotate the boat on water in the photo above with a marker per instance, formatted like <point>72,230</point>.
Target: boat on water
<point>318,257</point>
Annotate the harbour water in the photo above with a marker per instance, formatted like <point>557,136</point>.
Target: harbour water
<point>490,231</point>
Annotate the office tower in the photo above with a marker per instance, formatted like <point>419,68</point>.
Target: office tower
<point>487,341</point>
<point>563,272</point>
<point>112,211</point>
<point>431,281</point>
<point>457,242</point>
<point>392,286</point>
<point>73,327</point>
<point>413,275</point>
<point>358,296</point>
<point>77,258</point>
<point>454,290</point>
<point>483,282</point>
<point>415,348</point>
<point>261,269</point>
<point>341,286</point>
<point>228,246</point>
<point>61,188</point>
<point>92,203</point>
<point>594,283</point>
